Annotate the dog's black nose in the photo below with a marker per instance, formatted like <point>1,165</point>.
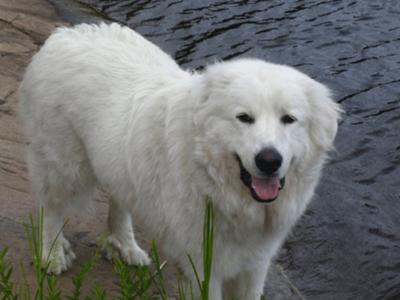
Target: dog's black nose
<point>268,160</point>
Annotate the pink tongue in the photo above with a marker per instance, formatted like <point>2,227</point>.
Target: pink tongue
<point>266,188</point>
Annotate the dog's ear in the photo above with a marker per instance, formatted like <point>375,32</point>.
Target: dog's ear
<point>325,115</point>
<point>216,79</point>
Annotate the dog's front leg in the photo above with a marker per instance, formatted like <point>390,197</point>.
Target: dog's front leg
<point>247,285</point>
<point>215,292</point>
<point>122,237</point>
<point>192,290</point>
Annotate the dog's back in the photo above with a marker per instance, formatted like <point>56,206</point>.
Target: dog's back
<point>81,82</point>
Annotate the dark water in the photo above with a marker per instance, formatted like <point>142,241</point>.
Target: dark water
<point>347,246</point>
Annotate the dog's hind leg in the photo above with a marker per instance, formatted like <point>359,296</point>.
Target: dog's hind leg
<point>122,237</point>
<point>57,255</point>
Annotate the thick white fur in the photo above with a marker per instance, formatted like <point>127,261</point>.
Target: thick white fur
<point>102,105</point>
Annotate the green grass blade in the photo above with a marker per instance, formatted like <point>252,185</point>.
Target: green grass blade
<point>79,279</point>
<point>6,284</point>
<point>53,292</point>
<point>160,283</point>
<point>98,293</point>
<point>196,274</point>
<point>126,284</point>
<point>208,243</point>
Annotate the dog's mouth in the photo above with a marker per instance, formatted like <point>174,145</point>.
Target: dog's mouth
<point>263,189</point>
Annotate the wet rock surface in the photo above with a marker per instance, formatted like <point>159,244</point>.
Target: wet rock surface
<point>347,246</point>
<point>24,25</point>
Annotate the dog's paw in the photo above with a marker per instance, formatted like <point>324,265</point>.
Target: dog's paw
<point>68,253</point>
<point>136,256</point>
<point>130,252</point>
<point>58,257</point>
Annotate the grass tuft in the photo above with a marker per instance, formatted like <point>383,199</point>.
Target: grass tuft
<point>7,286</point>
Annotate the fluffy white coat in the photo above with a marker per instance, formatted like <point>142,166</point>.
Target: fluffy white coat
<point>102,105</point>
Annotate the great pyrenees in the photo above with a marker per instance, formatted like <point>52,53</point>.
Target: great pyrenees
<point>101,105</point>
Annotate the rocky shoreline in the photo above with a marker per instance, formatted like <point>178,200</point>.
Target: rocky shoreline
<point>24,26</point>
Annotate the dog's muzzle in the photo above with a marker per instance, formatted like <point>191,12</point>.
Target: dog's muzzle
<point>263,189</point>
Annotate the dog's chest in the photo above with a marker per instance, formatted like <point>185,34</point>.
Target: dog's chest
<point>235,251</point>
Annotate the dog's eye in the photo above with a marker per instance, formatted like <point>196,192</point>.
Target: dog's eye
<point>245,118</point>
<point>288,119</point>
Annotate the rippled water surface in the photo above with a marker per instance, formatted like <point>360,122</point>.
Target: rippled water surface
<point>347,246</point>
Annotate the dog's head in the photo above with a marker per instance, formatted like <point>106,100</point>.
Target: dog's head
<point>258,121</point>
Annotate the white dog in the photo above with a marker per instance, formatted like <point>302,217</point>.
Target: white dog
<point>102,105</point>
